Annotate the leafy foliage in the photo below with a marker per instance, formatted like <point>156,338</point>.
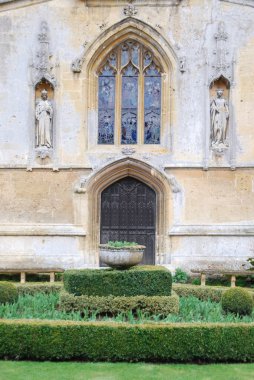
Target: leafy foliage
<point>121,244</point>
<point>201,292</point>
<point>110,305</point>
<point>237,301</point>
<point>147,281</point>
<point>180,276</point>
<point>8,292</point>
<point>65,340</point>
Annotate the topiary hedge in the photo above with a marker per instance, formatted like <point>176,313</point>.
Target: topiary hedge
<point>34,288</point>
<point>8,292</point>
<point>67,340</point>
<point>111,305</point>
<point>201,292</point>
<point>237,301</point>
<point>136,281</point>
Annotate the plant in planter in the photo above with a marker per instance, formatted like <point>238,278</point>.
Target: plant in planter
<point>121,254</point>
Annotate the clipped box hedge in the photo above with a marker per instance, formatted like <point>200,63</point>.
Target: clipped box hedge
<point>58,340</point>
<point>111,305</point>
<point>201,292</point>
<point>33,288</point>
<point>214,293</point>
<point>146,280</point>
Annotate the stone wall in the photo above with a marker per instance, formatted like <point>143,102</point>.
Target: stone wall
<point>46,196</point>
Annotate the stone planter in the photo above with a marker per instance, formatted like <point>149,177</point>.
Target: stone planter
<point>121,258</point>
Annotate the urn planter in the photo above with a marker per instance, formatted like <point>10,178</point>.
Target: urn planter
<point>121,257</point>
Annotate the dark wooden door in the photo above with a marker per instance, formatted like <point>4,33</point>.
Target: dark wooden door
<point>128,209</point>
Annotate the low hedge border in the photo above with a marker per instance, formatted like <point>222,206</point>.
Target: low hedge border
<point>33,288</point>
<point>111,305</point>
<point>58,340</point>
<point>203,293</point>
<point>136,281</point>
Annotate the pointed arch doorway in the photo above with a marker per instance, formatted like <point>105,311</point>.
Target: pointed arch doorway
<point>128,212</point>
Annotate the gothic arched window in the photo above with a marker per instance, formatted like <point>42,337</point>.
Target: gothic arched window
<point>129,96</point>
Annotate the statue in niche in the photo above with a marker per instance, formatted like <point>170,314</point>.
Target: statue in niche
<point>44,118</point>
<point>219,120</point>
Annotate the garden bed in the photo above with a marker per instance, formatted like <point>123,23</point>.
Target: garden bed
<point>200,332</point>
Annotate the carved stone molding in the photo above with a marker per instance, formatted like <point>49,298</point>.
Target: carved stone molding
<point>182,64</point>
<point>130,10</point>
<point>140,3</point>
<point>221,66</point>
<point>42,65</point>
<point>18,229</point>
<point>247,3</point>
<point>174,185</point>
<point>77,63</point>
<point>128,151</point>
<point>43,87</point>
<point>212,230</point>
<point>219,116</point>
<point>43,152</point>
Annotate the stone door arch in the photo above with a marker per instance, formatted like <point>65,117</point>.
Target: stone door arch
<point>129,167</point>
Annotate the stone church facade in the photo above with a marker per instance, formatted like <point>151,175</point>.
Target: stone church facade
<point>126,120</point>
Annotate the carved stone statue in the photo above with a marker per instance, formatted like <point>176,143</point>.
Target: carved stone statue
<point>219,119</point>
<point>44,118</point>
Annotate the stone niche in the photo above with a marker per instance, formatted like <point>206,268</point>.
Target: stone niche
<point>219,114</point>
<point>44,137</point>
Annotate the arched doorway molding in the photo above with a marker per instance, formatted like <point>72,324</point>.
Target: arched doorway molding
<point>129,167</point>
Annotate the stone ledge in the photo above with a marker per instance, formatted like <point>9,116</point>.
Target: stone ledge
<point>248,3</point>
<point>212,230</point>
<point>139,3</point>
<point>41,230</point>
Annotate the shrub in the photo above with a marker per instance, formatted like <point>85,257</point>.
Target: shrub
<point>210,342</point>
<point>111,305</point>
<point>237,301</point>
<point>147,281</point>
<point>32,289</point>
<point>8,292</point>
<point>180,276</point>
<point>203,293</point>
<point>120,244</point>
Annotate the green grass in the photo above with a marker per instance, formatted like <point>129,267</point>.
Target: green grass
<point>122,371</point>
<point>44,306</point>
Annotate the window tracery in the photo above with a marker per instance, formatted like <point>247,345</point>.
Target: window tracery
<point>129,96</point>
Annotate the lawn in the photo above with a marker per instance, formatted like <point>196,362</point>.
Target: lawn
<point>122,371</point>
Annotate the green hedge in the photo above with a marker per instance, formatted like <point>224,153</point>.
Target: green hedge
<point>147,281</point>
<point>238,301</point>
<point>59,340</point>
<point>111,305</point>
<point>203,293</point>
<point>34,288</point>
<point>8,292</point>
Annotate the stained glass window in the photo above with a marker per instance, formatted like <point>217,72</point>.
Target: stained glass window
<point>129,94</point>
<point>152,104</point>
<point>107,101</point>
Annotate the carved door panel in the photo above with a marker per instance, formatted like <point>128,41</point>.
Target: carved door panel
<point>128,212</point>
